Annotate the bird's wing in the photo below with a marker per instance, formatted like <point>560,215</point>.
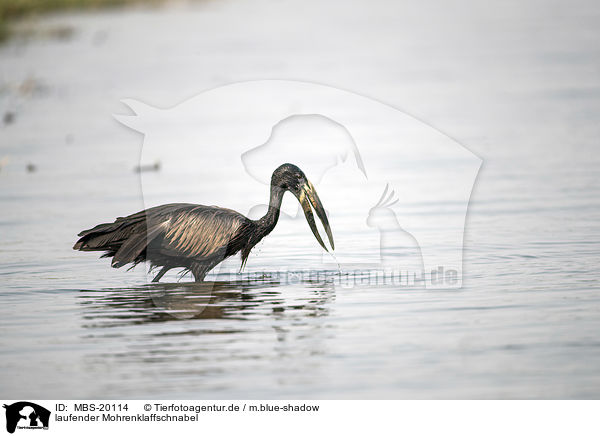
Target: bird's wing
<point>174,230</point>
<point>198,231</point>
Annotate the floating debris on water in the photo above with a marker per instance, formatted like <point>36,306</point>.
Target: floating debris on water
<point>147,168</point>
<point>31,168</point>
<point>9,117</point>
<point>32,87</point>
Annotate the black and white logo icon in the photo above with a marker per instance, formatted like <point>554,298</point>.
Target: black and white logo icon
<point>26,415</point>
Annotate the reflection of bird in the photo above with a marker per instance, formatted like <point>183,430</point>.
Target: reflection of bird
<point>197,237</point>
<point>236,299</point>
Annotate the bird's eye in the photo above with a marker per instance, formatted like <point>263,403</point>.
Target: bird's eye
<point>298,176</point>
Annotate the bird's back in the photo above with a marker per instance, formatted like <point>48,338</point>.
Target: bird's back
<point>197,230</point>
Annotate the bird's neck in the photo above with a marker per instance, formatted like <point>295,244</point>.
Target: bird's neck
<point>267,222</point>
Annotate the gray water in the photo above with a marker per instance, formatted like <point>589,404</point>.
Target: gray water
<point>517,84</point>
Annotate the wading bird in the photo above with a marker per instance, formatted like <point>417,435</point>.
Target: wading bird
<point>197,237</point>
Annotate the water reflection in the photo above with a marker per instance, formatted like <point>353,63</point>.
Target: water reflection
<point>200,339</point>
<point>241,300</point>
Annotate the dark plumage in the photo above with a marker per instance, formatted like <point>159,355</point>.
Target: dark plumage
<point>197,237</point>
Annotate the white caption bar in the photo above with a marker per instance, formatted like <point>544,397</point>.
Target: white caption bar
<point>91,417</point>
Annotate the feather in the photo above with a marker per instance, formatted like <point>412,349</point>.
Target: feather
<point>190,236</point>
<point>134,245</point>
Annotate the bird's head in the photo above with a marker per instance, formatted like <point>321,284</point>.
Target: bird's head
<point>289,177</point>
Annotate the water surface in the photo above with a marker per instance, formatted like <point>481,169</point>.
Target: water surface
<point>517,85</point>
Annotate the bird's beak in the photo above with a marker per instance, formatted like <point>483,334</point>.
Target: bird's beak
<point>307,197</point>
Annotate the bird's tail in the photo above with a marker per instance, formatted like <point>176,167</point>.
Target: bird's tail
<point>125,240</point>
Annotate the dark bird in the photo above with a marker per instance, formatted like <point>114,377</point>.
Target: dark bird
<point>197,237</point>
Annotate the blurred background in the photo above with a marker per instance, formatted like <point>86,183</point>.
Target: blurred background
<point>516,82</point>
